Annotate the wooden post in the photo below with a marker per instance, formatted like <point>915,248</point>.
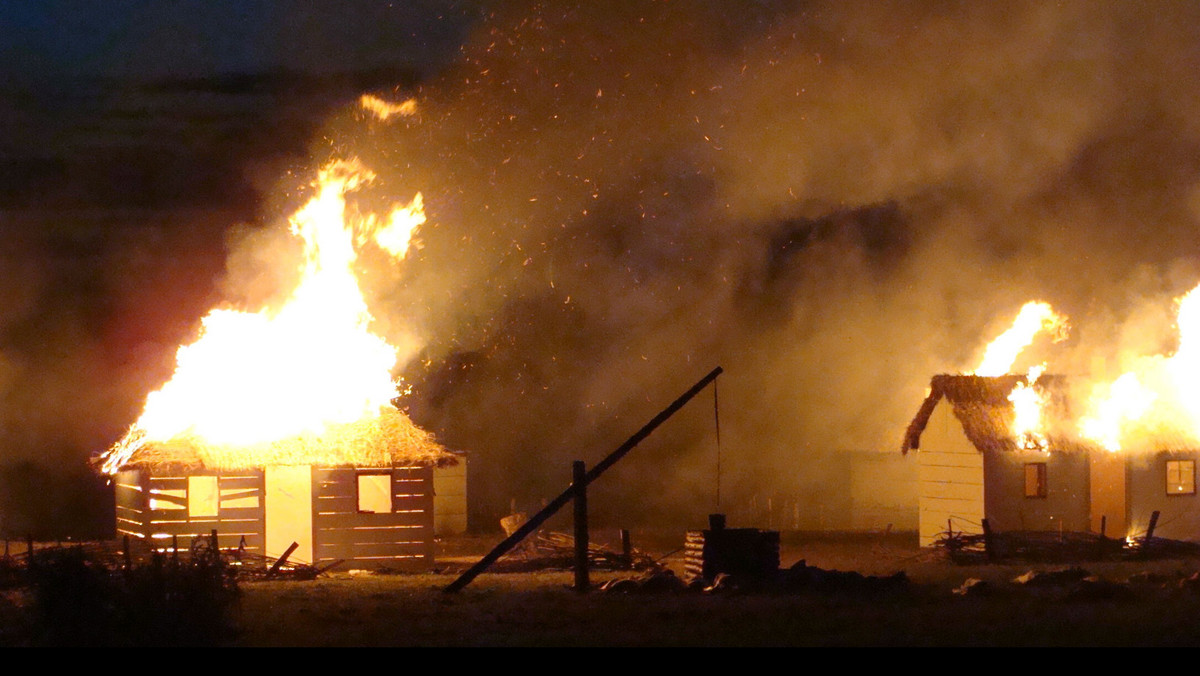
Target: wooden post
<point>128,556</point>
<point>1103,526</point>
<point>989,546</point>
<point>558,503</point>
<point>1153,525</point>
<point>175,550</point>
<point>626,548</point>
<point>215,549</point>
<point>579,483</point>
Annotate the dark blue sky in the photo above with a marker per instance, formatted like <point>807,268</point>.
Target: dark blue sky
<point>185,38</point>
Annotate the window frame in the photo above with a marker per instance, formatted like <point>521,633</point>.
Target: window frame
<point>358,492</point>
<point>208,487</point>
<point>1180,464</point>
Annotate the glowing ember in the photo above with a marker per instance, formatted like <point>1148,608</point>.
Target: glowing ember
<point>1028,400</point>
<point>313,363</point>
<point>383,109</point>
<point>1034,317</point>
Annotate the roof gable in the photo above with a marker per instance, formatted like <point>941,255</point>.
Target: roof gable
<point>981,406</point>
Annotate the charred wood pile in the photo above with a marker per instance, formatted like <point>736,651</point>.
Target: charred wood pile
<point>745,552</point>
<point>1058,547</point>
<point>800,578</point>
<point>556,551</point>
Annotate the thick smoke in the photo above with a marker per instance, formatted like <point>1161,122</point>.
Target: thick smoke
<point>833,201</point>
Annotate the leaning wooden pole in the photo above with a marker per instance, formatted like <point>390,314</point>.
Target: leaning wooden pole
<point>581,526</point>
<point>558,503</point>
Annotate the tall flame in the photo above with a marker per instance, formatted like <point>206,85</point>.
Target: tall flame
<point>1028,401</point>
<point>1160,393</point>
<point>1034,317</point>
<point>254,377</point>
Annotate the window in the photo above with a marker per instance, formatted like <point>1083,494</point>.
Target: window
<point>203,496</point>
<point>375,493</point>
<point>1181,477</point>
<point>1035,479</point>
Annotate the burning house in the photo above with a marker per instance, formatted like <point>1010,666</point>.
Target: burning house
<point>1030,453</point>
<point>972,466</point>
<point>362,494</point>
<point>278,426</point>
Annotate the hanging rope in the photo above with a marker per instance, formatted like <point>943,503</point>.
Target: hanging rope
<point>717,418</point>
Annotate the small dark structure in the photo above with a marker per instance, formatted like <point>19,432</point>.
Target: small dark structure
<point>370,508</point>
<point>748,554</point>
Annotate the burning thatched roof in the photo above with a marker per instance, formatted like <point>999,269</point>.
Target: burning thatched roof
<point>388,439</point>
<point>981,404</point>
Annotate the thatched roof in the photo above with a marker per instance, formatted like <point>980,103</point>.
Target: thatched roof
<point>389,439</point>
<point>981,405</point>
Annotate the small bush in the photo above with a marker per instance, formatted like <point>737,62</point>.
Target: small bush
<point>80,601</point>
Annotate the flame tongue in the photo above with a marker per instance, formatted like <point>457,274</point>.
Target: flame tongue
<point>1034,317</point>
<point>1028,402</point>
<point>255,377</point>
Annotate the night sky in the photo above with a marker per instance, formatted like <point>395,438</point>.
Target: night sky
<point>833,201</point>
<point>191,38</point>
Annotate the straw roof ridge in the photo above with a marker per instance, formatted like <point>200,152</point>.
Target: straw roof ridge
<point>981,405</point>
<point>389,439</point>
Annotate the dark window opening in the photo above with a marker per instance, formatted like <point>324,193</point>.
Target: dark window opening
<point>1035,480</point>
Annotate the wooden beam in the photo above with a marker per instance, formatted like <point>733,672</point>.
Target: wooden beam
<point>578,473</point>
<point>558,503</point>
<point>283,559</point>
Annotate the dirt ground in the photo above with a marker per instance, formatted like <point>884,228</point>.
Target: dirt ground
<point>1158,606</point>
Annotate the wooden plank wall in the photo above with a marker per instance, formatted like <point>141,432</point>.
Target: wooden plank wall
<point>450,499</point>
<point>400,539</point>
<point>232,523</point>
<point>132,503</point>
<point>950,478</point>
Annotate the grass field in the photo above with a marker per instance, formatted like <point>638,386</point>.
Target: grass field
<point>1140,604</point>
<point>539,609</point>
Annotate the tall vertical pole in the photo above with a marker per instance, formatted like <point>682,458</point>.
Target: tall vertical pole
<point>717,422</point>
<point>579,484</point>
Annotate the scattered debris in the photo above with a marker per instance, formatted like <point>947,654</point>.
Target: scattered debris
<point>1041,546</point>
<point>552,551</point>
<point>1096,588</point>
<point>800,578</point>
<point>973,586</point>
<point>1147,578</point>
<point>1049,578</point>
<point>1191,583</point>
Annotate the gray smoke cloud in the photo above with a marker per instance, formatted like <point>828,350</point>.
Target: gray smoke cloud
<point>833,201</point>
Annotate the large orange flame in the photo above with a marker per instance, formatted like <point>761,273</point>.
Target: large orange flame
<point>1034,317</point>
<point>254,377</point>
<point>1028,401</point>
<point>1160,395</point>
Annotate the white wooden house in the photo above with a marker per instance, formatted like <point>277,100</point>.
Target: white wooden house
<point>971,467</point>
